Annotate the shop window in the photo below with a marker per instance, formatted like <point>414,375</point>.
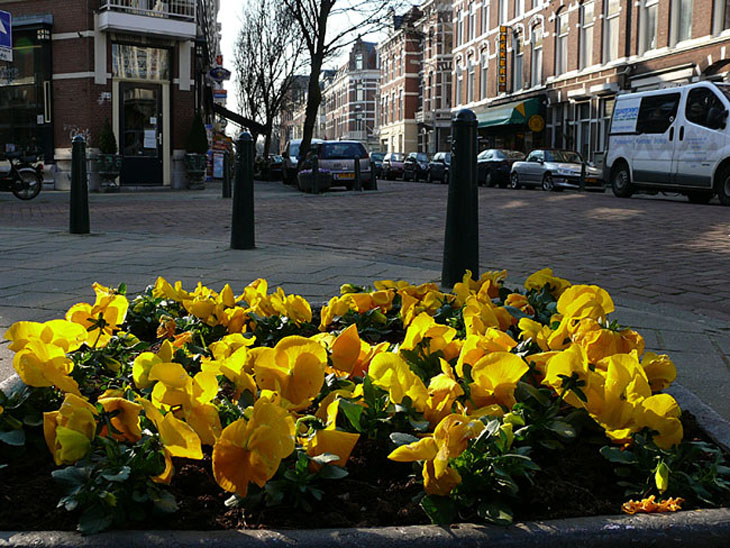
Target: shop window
<point>605,112</point>
<point>681,21</point>
<point>611,14</point>
<point>561,43</point>
<point>583,133</point>
<point>657,112</point>
<point>536,56</point>
<point>585,58</point>
<point>139,62</point>
<point>648,26</point>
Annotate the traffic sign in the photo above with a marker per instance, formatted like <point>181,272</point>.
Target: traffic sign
<point>6,36</point>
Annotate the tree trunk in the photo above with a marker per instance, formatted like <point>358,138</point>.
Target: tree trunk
<point>314,98</point>
<point>267,139</point>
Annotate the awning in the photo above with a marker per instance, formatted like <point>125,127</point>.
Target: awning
<point>515,113</point>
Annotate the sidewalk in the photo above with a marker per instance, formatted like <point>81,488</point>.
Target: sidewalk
<point>43,272</point>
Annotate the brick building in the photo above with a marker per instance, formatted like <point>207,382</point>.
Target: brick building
<point>350,97</point>
<point>141,64</point>
<point>433,116</point>
<point>566,62</point>
<point>400,84</point>
<point>294,112</point>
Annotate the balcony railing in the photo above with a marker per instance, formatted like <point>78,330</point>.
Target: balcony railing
<point>171,9</point>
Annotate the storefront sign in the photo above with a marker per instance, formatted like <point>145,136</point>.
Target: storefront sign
<point>219,74</point>
<point>6,36</point>
<point>502,66</point>
<point>536,123</point>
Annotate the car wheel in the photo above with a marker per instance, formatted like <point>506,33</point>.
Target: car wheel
<point>621,181</point>
<point>514,181</point>
<point>547,183</point>
<point>723,186</point>
<point>699,197</point>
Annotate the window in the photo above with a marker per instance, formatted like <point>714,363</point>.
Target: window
<point>140,62</point>
<point>583,121</point>
<point>472,20</point>
<point>457,25</point>
<point>517,56</point>
<point>470,82</point>
<point>611,13</point>
<point>360,91</point>
<point>485,17</point>
<point>358,62</point>
<point>605,112</point>
<point>585,56</point>
<point>519,6</point>
<point>503,6</point>
<point>703,107</point>
<point>561,44</point>
<point>657,112</point>
<point>459,85</point>
<point>721,16</point>
<point>648,26</point>
<point>483,75</point>
<point>401,113</point>
<point>536,56</point>
<point>681,21</point>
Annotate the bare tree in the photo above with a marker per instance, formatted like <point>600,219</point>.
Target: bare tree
<point>268,51</point>
<point>354,18</point>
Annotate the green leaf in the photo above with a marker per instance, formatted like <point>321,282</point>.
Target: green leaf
<point>325,458</point>
<point>71,476</point>
<point>517,313</point>
<point>163,500</point>
<point>496,513</point>
<point>661,477</point>
<point>15,438</point>
<point>120,476</point>
<point>332,472</point>
<point>614,454</point>
<point>353,412</point>
<point>419,426</point>
<point>94,520</point>
<point>440,510</point>
<point>401,438</point>
<point>562,429</point>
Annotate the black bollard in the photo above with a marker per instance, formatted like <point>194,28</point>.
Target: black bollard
<point>242,223</point>
<point>461,241</point>
<point>315,175</point>
<point>358,178</point>
<point>226,175</point>
<point>79,217</point>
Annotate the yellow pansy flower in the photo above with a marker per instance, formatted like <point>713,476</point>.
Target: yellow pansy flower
<point>144,362</point>
<point>544,277</point>
<point>178,437</point>
<point>659,369</point>
<point>495,378</point>
<point>68,336</point>
<point>70,430</point>
<point>40,364</point>
<point>109,306</point>
<point>126,420</point>
<point>600,342</point>
<point>391,372</point>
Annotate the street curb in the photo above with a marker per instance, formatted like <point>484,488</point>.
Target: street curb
<point>696,528</point>
<point>701,528</point>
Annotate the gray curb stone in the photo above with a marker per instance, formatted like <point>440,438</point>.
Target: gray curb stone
<point>702,528</point>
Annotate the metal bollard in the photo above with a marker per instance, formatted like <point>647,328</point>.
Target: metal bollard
<point>226,175</point>
<point>358,178</point>
<point>79,217</point>
<point>461,241</point>
<point>242,222</point>
<point>315,175</point>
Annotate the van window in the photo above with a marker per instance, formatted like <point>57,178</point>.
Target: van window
<point>657,112</point>
<point>294,150</point>
<point>343,151</point>
<point>699,103</point>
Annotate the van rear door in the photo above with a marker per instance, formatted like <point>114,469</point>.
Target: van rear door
<point>699,138</point>
<point>654,143</point>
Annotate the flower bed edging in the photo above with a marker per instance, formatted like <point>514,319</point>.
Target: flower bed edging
<point>692,528</point>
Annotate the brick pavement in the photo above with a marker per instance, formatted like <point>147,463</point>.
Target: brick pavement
<point>664,261</point>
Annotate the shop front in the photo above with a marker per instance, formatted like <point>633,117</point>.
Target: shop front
<point>519,125</point>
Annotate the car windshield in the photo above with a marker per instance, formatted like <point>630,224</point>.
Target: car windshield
<point>563,156</point>
<point>342,151</point>
<point>396,157</point>
<point>377,156</point>
<point>512,154</point>
<point>421,157</point>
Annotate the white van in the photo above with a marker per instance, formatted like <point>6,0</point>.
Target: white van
<point>675,139</point>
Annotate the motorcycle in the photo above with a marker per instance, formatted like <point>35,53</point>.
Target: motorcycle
<point>21,175</point>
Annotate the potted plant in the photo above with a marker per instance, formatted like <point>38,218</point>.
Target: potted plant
<point>196,154</point>
<point>108,162</point>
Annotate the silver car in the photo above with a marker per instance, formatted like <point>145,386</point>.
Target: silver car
<point>554,169</point>
<point>335,166</point>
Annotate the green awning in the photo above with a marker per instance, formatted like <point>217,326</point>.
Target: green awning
<point>516,113</point>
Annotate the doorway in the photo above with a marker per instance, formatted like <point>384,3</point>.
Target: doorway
<point>140,125</point>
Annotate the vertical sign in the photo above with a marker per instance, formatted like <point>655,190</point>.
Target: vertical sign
<point>6,36</point>
<point>502,66</point>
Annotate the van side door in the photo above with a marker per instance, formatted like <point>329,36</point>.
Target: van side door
<point>700,136</point>
<point>654,143</point>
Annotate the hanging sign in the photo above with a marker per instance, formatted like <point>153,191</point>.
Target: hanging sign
<point>219,74</point>
<point>6,36</point>
<point>502,66</point>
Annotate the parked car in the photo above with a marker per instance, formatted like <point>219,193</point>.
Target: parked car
<point>415,166</point>
<point>438,167</point>
<point>495,164</point>
<point>393,165</point>
<point>269,168</point>
<point>376,159</point>
<point>336,165</point>
<point>554,169</point>
<point>290,154</point>
<point>675,139</point>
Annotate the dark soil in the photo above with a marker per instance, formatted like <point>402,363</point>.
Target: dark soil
<point>377,492</point>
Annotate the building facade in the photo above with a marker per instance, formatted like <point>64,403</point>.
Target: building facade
<point>546,73</point>
<point>141,64</point>
<point>350,97</point>
<point>433,117</point>
<point>295,109</point>
<point>400,84</point>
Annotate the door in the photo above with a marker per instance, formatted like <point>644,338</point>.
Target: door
<point>140,128</point>
<point>699,135</point>
<point>654,143</point>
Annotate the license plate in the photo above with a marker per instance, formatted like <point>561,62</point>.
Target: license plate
<point>591,180</point>
<point>341,176</point>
